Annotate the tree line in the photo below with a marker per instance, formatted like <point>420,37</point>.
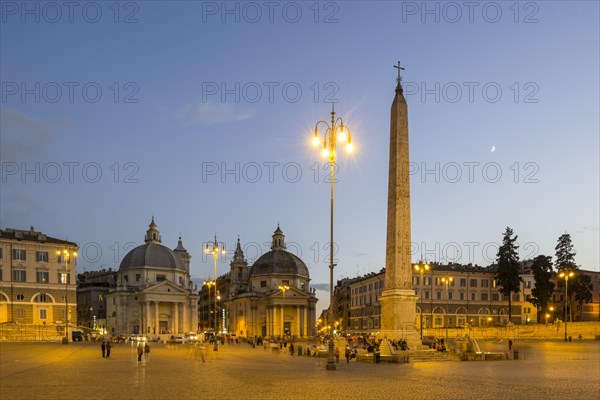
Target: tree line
<point>508,281</point>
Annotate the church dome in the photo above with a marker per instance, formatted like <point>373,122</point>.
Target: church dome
<point>152,253</point>
<point>279,260</point>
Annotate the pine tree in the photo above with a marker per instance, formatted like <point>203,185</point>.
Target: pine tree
<point>565,254</point>
<point>507,272</point>
<point>542,292</point>
<point>565,261</point>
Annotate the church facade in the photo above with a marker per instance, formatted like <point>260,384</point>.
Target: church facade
<point>272,298</point>
<point>154,293</point>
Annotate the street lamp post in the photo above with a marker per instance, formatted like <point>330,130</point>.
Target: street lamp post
<point>283,288</point>
<point>208,284</point>
<point>446,279</point>
<point>335,132</point>
<point>421,268</point>
<point>566,275</point>
<point>66,254</point>
<point>215,250</point>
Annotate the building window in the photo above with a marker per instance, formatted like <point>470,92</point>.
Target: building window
<point>41,298</point>
<point>439,295</point>
<point>0,253</point>
<point>159,278</point>
<point>126,278</point>
<point>42,276</point>
<point>463,282</point>
<point>427,280</point>
<point>495,296</point>
<point>20,313</point>
<point>285,281</point>
<point>41,256</point>
<point>462,296</point>
<point>415,281</point>
<point>484,296</point>
<point>180,280</point>
<point>263,283</point>
<point>0,274</point>
<point>528,284</point>
<point>427,294</point>
<point>19,254</point>
<point>449,295</point>
<point>485,283</point>
<point>472,295</point>
<point>377,283</point>
<point>138,277</point>
<point>473,283</point>
<point>19,275</point>
<point>20,297</point>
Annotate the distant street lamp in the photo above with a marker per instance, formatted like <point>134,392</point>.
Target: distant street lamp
<point>215,250</point>
<point>421,268</point>
<point>446,279</point>
<point>208,284</point>
<point>334,133</point>
<point>283,288</point>
<point>66,254</point>
<point>566,275</point>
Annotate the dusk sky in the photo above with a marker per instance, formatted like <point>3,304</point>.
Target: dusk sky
<point>201,114</point>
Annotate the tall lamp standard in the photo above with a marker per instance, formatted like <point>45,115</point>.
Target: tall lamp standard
<point>446,279</point>
<point>215,250</point>
<point>283,288</point>
<point>208,284</point>
<point>566,275</point>
<point>421,268</point>
<point>66,254</point>
<point>335,132</point>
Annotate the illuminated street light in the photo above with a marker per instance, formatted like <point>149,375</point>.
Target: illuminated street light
<point>566,275</point>
<point>446,279</point>
<point>335,132</point>
<point>209,284</point>
<point>66,254</point>
<point>421,268</point>
<point>283,288</point>
<point>215,250</point>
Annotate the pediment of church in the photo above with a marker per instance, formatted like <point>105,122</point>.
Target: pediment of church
<point>165,287</point>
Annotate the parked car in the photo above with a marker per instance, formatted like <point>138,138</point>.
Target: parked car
<point>77,336</point>
<point>176,339</point>
<point>190,337</point>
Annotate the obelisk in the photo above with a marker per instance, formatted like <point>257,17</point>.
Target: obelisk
<point>398,299</point>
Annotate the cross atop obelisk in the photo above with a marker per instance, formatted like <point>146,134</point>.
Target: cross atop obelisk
<point>399,78</point>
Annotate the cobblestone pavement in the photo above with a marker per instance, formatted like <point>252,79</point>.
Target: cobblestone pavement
<point>545,370</point>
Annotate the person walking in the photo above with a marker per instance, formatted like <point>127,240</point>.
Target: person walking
<point>108,349</point>
<point>337,355</point>
<point>509,345</point>
<point>140,352</point>
<point>103,347</point>
<point>347,354</point>
<point>147,352</point>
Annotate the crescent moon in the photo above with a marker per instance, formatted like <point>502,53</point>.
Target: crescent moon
<point>493,149</point>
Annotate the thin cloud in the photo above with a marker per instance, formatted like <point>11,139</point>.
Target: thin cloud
<point>210,113</point>
<point>24,136</point>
